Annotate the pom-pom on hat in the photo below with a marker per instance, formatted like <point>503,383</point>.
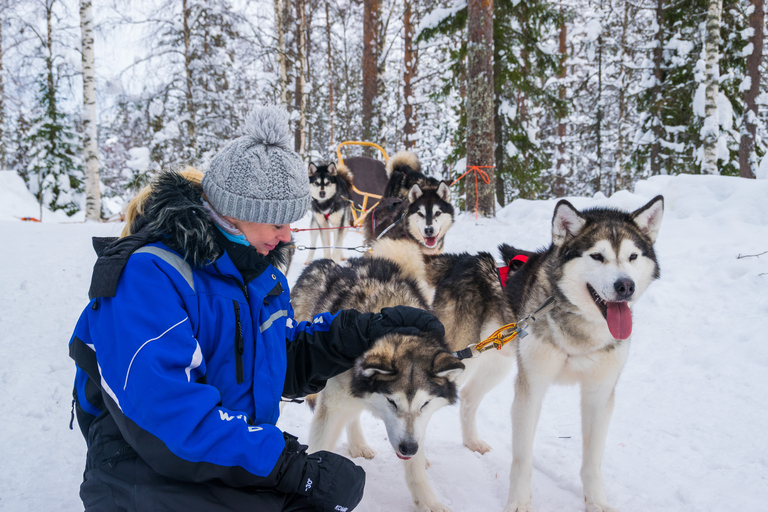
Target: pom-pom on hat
<point>258,177</point>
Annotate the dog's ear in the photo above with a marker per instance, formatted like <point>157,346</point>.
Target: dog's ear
<point>332,169</point>
<point>566,223</point>
<point>415,193</point>
<point>443,192</point>
<point>447,365</point>
<point>312,168</point>
<point>373,364</point>
<point>648,217</point>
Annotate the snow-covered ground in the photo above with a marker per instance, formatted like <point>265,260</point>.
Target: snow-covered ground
<point>688,430</point>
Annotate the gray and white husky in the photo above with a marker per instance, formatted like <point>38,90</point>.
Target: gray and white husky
<point>600,262</point>
<point>415,207</point>
<point>330,207</point>
<point>402,379</point>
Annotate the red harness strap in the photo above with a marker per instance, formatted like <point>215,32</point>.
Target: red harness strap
<point>504,271</point>
<point>326,215</point>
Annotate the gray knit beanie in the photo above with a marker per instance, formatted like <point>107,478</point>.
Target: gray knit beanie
<point>258,177</point>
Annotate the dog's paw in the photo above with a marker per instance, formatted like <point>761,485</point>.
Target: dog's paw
<point>514,507</point>
<point>477,445</point>
<point>434,506</point>
<point>362,450</point>
<point>599,507</point>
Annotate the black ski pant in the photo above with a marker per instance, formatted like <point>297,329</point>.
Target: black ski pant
<point>118,480</point>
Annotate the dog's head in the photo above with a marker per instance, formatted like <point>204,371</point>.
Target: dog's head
<point>606,260</point>
<point>430,214</point>
<point>323,181</point>
<point>405,379</point>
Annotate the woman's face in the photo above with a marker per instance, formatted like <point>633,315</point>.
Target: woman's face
<point>263,237</point>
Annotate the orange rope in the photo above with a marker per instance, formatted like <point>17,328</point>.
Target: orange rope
<point>478,169</point>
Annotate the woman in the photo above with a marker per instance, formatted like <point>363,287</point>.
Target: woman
<point>188,344</point>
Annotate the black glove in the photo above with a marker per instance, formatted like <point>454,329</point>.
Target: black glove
<point>332,482</point>
<point>402,320</point>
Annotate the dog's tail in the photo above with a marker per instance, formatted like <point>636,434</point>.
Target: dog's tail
<point>311,401</point>
<point>508,254</point>
<point>343,172</point>
<point>403,161</point>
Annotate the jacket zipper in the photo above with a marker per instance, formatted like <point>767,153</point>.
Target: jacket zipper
<point>239,344</point>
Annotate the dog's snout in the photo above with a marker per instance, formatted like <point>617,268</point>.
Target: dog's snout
<point>429,230</point>
<point>624,288</point>
<point>322,193</point>
<point>408,448</point>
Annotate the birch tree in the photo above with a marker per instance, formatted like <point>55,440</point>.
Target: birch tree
<point>371,15</point>
<point>480,136</point>
<point>90,141</point>
<point>300,96</point>
<point>711,129</point>
<point>410,71</point>
<point>751,87</point>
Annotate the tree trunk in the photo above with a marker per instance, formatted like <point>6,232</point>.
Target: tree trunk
<point>90,141</point>
<point>711,129</point>
<point>559,188</point>
<point>191,123</point>
<point>331,141</point>
<point>3,149</point>
<point>410,61</point>
<point>747,155</point>
<point>281,59</point>
<point>480,136</point>
<point>370,67</point>
<point>300,99</point>
<point>498,128</point>
<point>658,59</point>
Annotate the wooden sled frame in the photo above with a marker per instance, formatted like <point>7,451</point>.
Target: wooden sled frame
<point>358,220</point>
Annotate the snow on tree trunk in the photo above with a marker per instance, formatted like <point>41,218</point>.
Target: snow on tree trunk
<point>711,129</point>
<point>331,140</point>
<point>559,186</point>
<point>189,93</point>
<point>280,32</point>
<point>658,59</point>
<point>300,98</point>
<point>3,150</point>
<point>410,61</point>
<point>90,141</point>
<point>480,136</point>
<point>370,67</point>
<point>747,156</point>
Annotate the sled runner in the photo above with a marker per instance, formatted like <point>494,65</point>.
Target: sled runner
<point>369,178</point>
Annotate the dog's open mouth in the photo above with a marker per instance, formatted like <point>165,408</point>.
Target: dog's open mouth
<point>617,314</point>
<point>430,241</point>
<point>402,457</point>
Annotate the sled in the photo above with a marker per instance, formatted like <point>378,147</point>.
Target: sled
<point>369,178</point>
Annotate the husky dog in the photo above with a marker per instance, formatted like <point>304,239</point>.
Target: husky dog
<point>415,207</point>
<point>599,263</point>
<point>402,379</point>
<point>469,300</point>
<point>330,207</point>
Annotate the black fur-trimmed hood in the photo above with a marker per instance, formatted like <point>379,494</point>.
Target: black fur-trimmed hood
<point>174,214</point>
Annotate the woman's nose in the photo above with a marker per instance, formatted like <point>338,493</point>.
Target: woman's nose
<point>284,233</point>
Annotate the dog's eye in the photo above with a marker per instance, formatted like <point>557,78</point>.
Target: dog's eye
<point>437,213</point>
<point>420,214</point>
<point>633,256</point>
<point>425,404</point>
<point>392,403</point>
<point>597,256</point>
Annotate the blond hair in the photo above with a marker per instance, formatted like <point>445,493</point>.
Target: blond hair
<point>136,206</point>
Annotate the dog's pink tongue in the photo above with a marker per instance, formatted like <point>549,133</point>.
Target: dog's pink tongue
<point>619,320</point>
<point>430,241</point>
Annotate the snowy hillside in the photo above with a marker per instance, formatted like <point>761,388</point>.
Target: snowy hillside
<point>688,428</point>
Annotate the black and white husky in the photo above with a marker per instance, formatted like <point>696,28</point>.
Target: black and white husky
<point>402,379</point>
<point>415,207</point>
<point>331,207</point>
<point>599,264</point>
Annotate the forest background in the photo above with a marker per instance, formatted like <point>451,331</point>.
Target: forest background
<point>588,96</point>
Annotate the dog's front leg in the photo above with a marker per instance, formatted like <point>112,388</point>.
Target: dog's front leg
<point>325,236</point>
<point>338,254</point>
<point>421,491</point>
<point>596,409</point>
<point>358,446</point>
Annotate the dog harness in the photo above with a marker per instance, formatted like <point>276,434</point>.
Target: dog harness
<point>504,271</point>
